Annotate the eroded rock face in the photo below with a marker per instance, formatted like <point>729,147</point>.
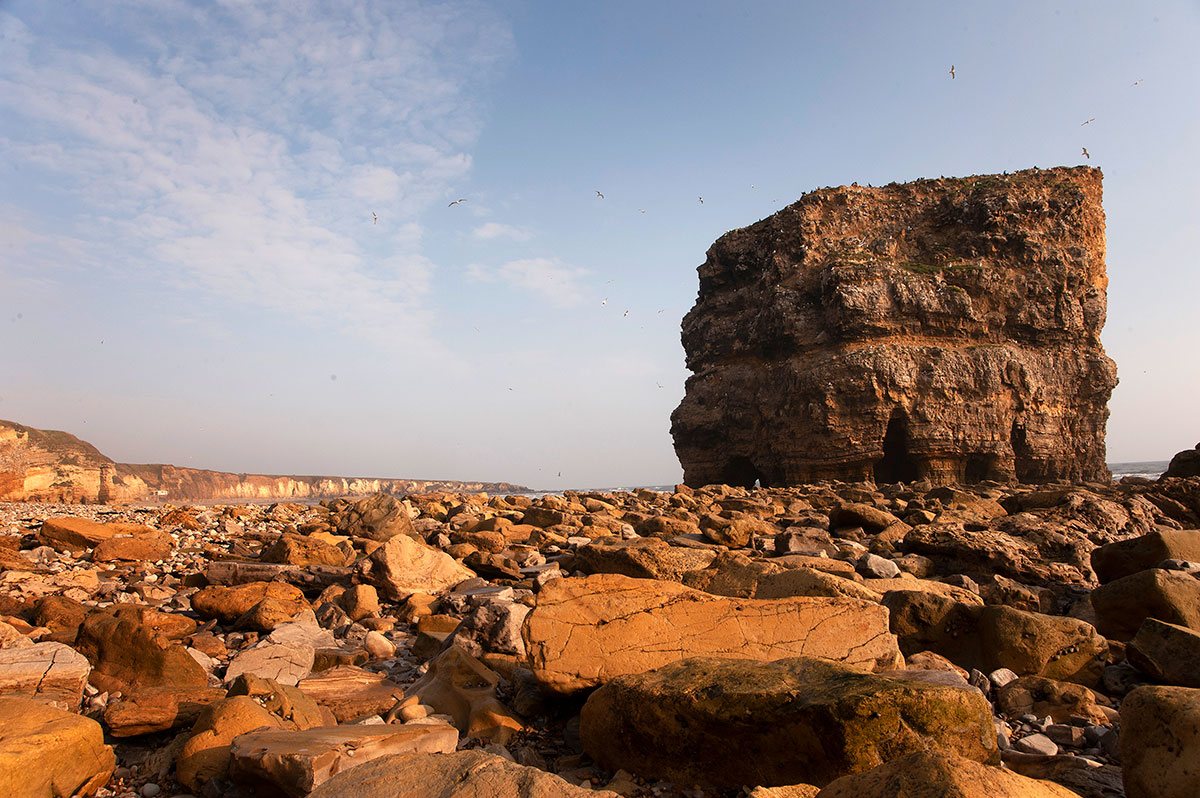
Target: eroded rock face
<point>942,329</point>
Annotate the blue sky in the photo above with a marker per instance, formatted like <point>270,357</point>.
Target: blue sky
<point>190,271</point>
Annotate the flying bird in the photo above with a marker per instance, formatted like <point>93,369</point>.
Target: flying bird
<point>701,200</point>
<point>952,72</point>
<point>604,302</point>
<point>1085,154</point>
<point>661,310</point>
<point>456,202</point>
<point>753,186</point>
<point>626,313</point>
<point>1090,121</point>
<point>1136,82</point>
<point>374,218</point>
<point>598,194</point>
<point>641,210</point>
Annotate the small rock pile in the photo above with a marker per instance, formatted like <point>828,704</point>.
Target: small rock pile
<point>830,639</point>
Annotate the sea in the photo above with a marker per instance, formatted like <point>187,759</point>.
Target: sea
<point>1150,469</point>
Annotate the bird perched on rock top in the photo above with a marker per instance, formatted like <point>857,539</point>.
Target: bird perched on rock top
<point>456,202</point>
<point>598,194</point>
<point>1085,154</point>
<point>952,72</point>
<point>374,218</point>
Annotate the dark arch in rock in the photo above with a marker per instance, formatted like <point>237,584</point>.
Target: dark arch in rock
<point>740,471</point>
<point>896,465</point>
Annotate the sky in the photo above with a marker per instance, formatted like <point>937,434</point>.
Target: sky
<point>226,237</point>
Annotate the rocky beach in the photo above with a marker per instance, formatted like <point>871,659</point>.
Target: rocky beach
<point>840,637</point>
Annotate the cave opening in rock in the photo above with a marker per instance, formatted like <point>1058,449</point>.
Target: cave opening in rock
<point>979,467</point>
<point>896,465</point>
<point>741,471</point>
<point>1025,465</point>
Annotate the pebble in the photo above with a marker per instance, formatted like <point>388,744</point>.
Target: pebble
<point>150,790</point>
<point>1036,744</point>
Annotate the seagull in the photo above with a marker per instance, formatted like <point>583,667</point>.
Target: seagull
<point>661,310</point>
<point>753,186</point>
<point>456,202</point>
<point>952,72</point>
<point>598,194</point>
<point>374,218</point>
<point>701,200</point>
<point>659,384</point>
<point>1085,154</point>
<point>604,302</point>
<point>1136,82</point>
<point>1090,121</point>
<point>641,210</point>
<point>626,313</point>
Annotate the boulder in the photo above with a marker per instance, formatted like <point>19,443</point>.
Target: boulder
<point>402,566</point>
<point>812,582</point>
<point>640,558</point>
<point>351,692</point>
<point>1123,604</point>
<point>1166,652</point>
<point>150,546</point>
<point>377,517</point>
<point>299,761</point>
<point>300,550</point>
<point>1125,557</point>
<point>1034,695</point>
<point>77,535</point>
<point>583,632</point>
<point>126,653</point>
<point>50,672</point>
<point>286,655</point>
<point>156,709</point>
<point>205,755</point>
<point>465,774</point>
<point>228,604</point>
<point>1184,464</point>
<point>941,775</point>
<point>1160,742</point>
<point>458,685</point>
<point>793,720</point>
<point>48,753</point>
<point>730,574</point>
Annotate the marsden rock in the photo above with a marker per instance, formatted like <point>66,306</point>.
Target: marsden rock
<point>942,329</point>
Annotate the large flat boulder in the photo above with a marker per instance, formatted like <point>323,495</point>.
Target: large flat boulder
<point>1125,557</point>
<point>299,761</point>
<point>941,775</point>
<point>1160,742</point>
<point>48,753</point>
<point>1169,596</point>
<point>584,632</point>
<point>227,604</point>
<point>127,653</point>
<point>77,535</point>
<point>793,720</point>
<point>50,672</point>
<point>640,558</point>
<point>350,692</point>
<point>465,774</point>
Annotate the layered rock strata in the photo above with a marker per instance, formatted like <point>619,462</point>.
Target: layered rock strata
<point>942,329</point>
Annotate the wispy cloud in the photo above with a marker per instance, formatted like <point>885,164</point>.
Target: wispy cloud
<point>241,148</point>
<point>546,278</point>
<point>492,230</point>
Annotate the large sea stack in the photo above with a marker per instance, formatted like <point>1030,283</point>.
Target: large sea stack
<point>941,329</point>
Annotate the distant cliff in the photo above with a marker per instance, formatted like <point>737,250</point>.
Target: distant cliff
<point>54,466</point>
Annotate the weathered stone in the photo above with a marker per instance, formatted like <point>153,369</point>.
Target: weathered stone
<point>286,655</point>
<point>157,709</point>
<point>48,753</point>
<point>1184,464</point>
<point>944,776</point>
<point>730,574</point>
<point>465,774</point>
<point>205,755</point>
<point>492,627</point>
<point>811,582</point>
<point>1167,652</point>
<point>584,632</point>
<point>378,517</point>
<point>351,692</point>
<point>228,604</point>
<point>150,546</point>
<point>793,720</point>
<point>866,332</point>
<point>402,566</point>
<point>462,687</point>
<point>126,653</point>
<point>290,704</point>
<point>1169,596</point>
<point>640,558</point>
<point>1034,695</point>
<point>79,534</point>
<point>299,761</point>
<point>300,550</point>
<point>359,601</point>
<point>1160,742</point>
<point>1124,557</point>
<point>50,672</point>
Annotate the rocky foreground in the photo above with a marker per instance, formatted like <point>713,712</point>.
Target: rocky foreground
<point>830,640</point>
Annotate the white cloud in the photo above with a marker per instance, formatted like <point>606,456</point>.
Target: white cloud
<point>544,277</point>
<point>241,148</point>
<point>492,230</point>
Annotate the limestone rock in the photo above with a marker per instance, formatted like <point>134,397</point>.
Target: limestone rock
<point>79,534</point>
<point>156,709</point>
<point>300,550</point>
<point>205,755</point>
<point>402,566</point>
<point>50,672</point>
<point>1034,695</point>
<point>1160,742</point>
<point>378,517</point>
<point>1184,464</point>
<point>1167,652</point>
<point>462,687</point>
<point>351,692</point>
<point>730,574</point>
<point>465,774</point>
<point>1125,557</point>
<point>48,753</point>
<point>150,546</point>
<point>945,329</point>
<point>584,632</point>
<point>299,761</point>
<point>942,775</point>
<point>1169,596</point>
<point>793,720</point>
<point>228,604</point>
<point>126,653</point>
<point>640,558</point>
